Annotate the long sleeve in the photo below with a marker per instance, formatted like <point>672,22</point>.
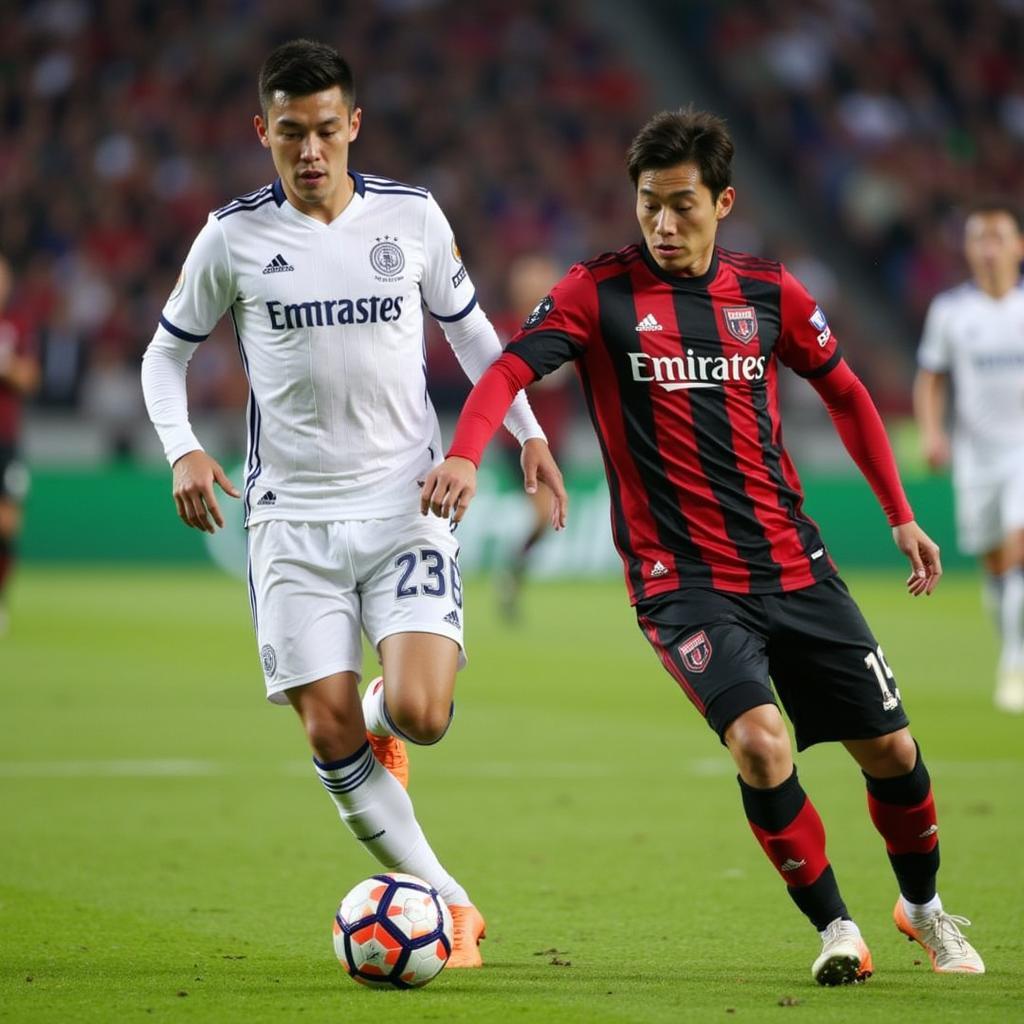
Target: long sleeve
<point>164,366</point>
<point>863,434</point>
<point>487,404</point>
<point>476,346</point>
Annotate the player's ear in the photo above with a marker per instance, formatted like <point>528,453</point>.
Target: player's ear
<point>261,130</point>
<point>354,122</point>
<point>723,205</point>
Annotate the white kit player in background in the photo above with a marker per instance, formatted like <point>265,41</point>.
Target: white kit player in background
<point>325,273</point>
<point>974,337</point>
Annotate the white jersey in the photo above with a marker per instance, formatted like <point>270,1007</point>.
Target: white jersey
<point>979,342</point>
<point>329,324</point>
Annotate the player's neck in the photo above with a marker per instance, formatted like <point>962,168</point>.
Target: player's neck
<point>996,286</point>
<point>332,206</point>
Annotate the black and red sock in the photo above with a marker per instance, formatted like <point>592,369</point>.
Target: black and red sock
<point>786,824</point>
<point>903,811</point>
<point>6,561</point>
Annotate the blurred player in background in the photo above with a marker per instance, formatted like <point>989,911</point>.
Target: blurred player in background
<point>530,278</point>
<point>974,336</point>
<point>677,343</point>
<point>19,378</point>
<point>325,273</point>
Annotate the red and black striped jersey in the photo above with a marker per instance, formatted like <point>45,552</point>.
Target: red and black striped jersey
<point>680,376</point>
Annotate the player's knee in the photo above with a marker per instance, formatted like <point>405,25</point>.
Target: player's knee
<point>890,755</point>
<point>422,723</point>
<point>327,733</point>
<point>761,751</point>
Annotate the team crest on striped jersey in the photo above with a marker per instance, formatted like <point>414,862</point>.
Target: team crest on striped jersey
<point>740,322</point>
<point>696,652</point>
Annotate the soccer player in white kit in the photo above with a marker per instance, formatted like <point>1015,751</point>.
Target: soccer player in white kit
<point>325,272</point>
<point>974,336</point>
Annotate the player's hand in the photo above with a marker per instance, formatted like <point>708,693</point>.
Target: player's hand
<point>539,465</point>
<point>923,554</point>
<point>935,448</point>
<point>449,488</point>
<point>194,475</point>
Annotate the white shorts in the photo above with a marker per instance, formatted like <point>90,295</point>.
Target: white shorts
<point>314,586</point>
<point>988,511</point>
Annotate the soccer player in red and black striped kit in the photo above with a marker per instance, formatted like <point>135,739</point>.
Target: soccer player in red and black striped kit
<point>677,344</point>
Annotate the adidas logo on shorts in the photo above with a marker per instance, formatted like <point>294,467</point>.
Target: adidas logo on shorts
<point>452,618</point>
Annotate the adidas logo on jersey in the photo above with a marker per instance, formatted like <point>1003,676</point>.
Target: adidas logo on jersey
<point>269,498</point>
<point>277,265</point>
<point>452,618</point>
<point>649,324</point>
<point>658,570</point>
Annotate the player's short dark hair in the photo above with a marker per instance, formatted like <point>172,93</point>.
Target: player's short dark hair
<point>684,136</point>
<point>302,67</point>
<point>999,204</point>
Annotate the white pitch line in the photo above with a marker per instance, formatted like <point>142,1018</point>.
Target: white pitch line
<point>107,769</point>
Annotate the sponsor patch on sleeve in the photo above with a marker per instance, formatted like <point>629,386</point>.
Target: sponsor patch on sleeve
<point>540,312</point>
<point>820,324</point>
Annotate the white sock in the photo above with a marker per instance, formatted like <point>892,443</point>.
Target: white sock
<point>917,912</point>
<point>1012,621</point>
<point>373,709</point>
<point>379,813</point>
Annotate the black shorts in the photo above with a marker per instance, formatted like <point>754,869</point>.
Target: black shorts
<point>829,672</point>
<point>13,475</point>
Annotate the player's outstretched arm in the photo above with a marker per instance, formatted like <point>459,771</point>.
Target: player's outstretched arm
<point>449,488</point>
<point>930,395</point>
<point>194,475</point>
<point>923,554</point>
<point>539,466</point>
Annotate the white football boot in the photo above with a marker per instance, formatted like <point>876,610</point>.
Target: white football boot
<point>845,958</point>
<point>940,936</point>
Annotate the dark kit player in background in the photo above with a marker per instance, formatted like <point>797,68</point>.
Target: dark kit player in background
<point>19,378</point>
<point>677,344</point>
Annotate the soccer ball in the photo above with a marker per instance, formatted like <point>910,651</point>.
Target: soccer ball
<point>393,931</point>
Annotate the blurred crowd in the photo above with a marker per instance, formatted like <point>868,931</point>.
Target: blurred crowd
<point>132,120</point>
<point>890,117</point>
<point>128,120</point>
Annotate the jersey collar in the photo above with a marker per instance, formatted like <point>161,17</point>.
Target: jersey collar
<point>678,280</point>
<point>359,194</point>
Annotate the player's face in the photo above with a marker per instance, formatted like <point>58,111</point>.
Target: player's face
<point>993,245</point>
<point>679,218</point>
<point>308,138</point>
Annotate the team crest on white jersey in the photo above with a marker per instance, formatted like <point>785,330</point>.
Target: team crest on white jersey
<point>387,258</point>
<point>740,322</point>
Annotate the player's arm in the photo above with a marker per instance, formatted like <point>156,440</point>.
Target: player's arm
<point>449,295</point>
<point>807,345</point>
<point>931,386</point>
<point>196,304</point>
<point>554,333</point>
<point>931,392</point>
<point>450,486</point>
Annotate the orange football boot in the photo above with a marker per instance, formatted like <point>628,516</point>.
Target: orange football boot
<point>845,958</point>
<point>940,937</point>
<point>468,928</point>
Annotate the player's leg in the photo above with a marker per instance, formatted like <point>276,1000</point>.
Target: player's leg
<point>902,807</point>
<point>712,645</point>
<point>412,611</point>
<point>1004,572</point>
<point>307,616</point>
<point>990,524</point>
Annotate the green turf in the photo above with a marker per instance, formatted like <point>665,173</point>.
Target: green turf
<point>167,854</point>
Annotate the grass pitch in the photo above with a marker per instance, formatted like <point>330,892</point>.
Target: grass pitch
<point>167,853</point>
